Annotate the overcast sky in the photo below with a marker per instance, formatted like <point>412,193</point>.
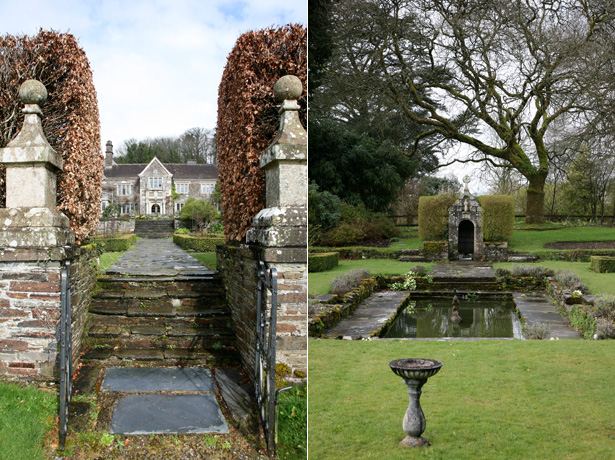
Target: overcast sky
<point>157,64</point>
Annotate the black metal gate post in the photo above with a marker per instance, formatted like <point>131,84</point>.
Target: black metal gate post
<point>66,355</point>
<point>264,368</point>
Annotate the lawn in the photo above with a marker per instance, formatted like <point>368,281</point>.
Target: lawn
<point>292,429</point>
<point>319,283</point>
<point>598,283</point>
<point>206,258</point>
<point>26,414</point>
<point>532,240</point>
<point>109,258</point>
<point>491,400</point>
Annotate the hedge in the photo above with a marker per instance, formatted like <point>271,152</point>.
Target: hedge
<point>323,261</point>
<point>603,264</point>
<point>498,217</point>
<point>118,244</point>
<point>198,243</point>
<point>433,216</point>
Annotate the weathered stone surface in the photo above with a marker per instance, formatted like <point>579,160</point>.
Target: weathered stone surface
<point>145,379</point>
<point>465,216</point>
<point>161,413</point>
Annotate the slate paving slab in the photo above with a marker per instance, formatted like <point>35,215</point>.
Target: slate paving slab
<point>157,257</point>
<point>142,379</point>
<point>535,307</point>
<point>370,315</point>
<point>161,413</point>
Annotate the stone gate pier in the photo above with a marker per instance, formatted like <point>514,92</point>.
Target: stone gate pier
<point>279,238</point>
<point>35,241</point>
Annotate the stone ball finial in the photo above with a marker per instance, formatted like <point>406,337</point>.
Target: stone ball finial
<point>288,87</point>
<point>32,92</point>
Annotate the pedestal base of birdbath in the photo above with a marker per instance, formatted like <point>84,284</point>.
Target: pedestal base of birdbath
<point>411,441</point>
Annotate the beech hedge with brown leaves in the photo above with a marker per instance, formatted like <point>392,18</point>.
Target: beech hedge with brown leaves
<point>70,117</point>
<point>248,118</point>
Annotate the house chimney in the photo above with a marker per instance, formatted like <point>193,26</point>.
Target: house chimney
<point>109,155</point>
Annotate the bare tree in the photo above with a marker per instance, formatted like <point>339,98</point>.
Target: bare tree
<point>467,68</point>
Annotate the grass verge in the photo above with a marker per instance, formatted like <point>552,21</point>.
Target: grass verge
<point>26,414</point>
<point>598,283</point>
<point>320,282</point>
<point>492,399</point>
<point>530,241</point>
<point>292,430</point>
<point>109,258</point>
<point>206,258</point>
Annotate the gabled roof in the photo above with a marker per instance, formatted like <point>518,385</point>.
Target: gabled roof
<point>179,171</point>
<point>155,161</point>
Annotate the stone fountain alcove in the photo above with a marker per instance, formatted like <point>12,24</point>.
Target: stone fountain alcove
<point>465,227</point>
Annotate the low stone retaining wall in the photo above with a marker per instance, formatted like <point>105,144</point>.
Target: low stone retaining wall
<point>116,226</point>
<point>323,316</point>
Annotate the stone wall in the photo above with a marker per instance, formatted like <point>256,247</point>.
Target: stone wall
<point>83,272</point>
<point>238,267</point>
<point>30,296</point>
<point>116,226</point>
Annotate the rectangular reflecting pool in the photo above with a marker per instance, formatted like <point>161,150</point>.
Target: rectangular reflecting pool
<point>431,318</point>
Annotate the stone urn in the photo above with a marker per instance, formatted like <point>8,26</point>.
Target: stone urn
<point>415,372</point>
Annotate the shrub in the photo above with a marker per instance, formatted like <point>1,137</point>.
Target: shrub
<point>570,280</point>
<point>323,261</point>
<point>582,320</point>
<point>604,306</point>
<point>536,271</point>
<point>357,224</point>
<point>248,117</point>
<point>198,243</point>
<point>70,117</point>
<point>182,231</point>
<point>503,272</point>
<point>409,283</point>
<point>498,217</point>
<point>604,329</point>
<point>201,211</point>
<point>536,331</point>
<point>602,264</point>
<point>346,282</point>
<point>117,244</point>
<point>323,207</point>
<point>433,216</point>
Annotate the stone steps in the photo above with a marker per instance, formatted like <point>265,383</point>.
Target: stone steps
<point>144,318</point>
<point>154,228</point>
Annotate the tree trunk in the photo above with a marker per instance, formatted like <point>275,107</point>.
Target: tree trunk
<point>535,205</point>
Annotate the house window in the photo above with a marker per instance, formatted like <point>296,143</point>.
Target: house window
<point>178,206</point>
<point>127,208</point>
<point>207,189</point>
<point>155,182</point>
<point>124,189</point>
<point>182,188</point>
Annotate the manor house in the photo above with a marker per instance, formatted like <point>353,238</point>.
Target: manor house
<point>145,189</point>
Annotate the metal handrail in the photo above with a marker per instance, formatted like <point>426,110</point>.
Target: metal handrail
<point>66,355</point>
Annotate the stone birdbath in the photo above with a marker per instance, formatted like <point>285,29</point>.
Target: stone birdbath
<point>415,373</point>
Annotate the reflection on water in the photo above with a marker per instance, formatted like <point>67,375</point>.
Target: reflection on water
<point>480,318</point>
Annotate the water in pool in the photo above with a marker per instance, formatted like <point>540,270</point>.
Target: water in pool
<point>427,318</point>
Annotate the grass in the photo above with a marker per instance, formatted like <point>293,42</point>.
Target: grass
<point>491,400</point>
<point>206,258</point>
<point>319,283</point>
<point>26,414</point>
<point>598,283</point>
<point>109,258</point>
<point>292,430</point>
<point>529,241</point>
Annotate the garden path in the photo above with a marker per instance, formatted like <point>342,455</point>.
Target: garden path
<point>158,257</point>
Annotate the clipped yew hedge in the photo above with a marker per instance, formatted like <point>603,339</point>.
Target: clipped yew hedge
<point>116,244</point>
<point>70,117</point>
<point>198,243</point>
<point>498,217</point>
<point>323,261</point>
<point>603,264</point>
<point>248,118</point>
<point>433,216</point>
